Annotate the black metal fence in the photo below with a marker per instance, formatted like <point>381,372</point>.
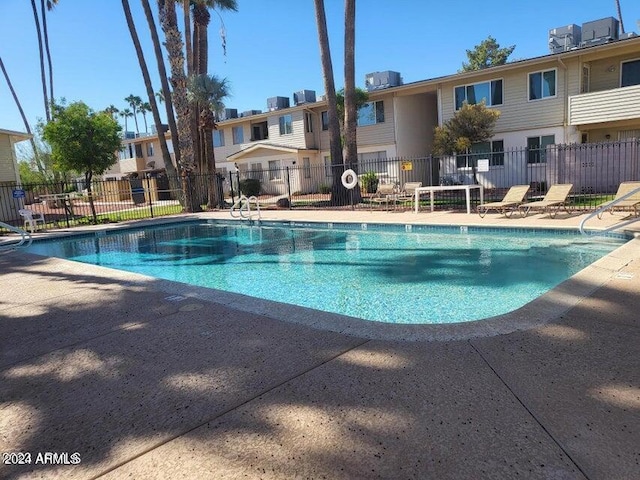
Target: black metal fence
<point>595,170</point>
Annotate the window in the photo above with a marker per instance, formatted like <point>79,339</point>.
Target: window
<point>256,171</point>
<point>286,125</point>
<point>536,147</point>
<point>306,167</point>
<point>373,162</point>
<point>139,151</point>
<point>542,84</point>
<point>149,149</point>
<point>328,171</point>
<point>238,135</point>
<point>586,78</point>
<point>492,150</point>
<point>308,122</point>
<point>259,131</point>
<point>489,92</point>
<point>630,73</point>
<point>371,113</point>
<point>218,138</point>
<point>324,117</point>
<point>275,171</point>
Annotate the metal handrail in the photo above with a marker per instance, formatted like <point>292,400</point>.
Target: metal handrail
<point>604,208</point>
<point>244,204</point>
<point>25,238</point>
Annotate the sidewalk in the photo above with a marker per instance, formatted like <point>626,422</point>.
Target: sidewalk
<point>144,381</point>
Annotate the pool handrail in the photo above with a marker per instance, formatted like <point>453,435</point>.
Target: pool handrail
<point>24,241</point>
<point>244,204</point>
<point>604,208</point>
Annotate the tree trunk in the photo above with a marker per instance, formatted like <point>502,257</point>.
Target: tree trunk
<point>166,156</point>
<point>88,176</point>
<point>350,107</point>
<point>45,32</point>
<point>43,76</point>
<point>338,192</point>
<point>173,43</point>
<point>187,35</point>
<point>212,179</point>
<point>177,170</point>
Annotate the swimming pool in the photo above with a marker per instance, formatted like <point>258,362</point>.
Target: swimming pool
<point>403,274</point>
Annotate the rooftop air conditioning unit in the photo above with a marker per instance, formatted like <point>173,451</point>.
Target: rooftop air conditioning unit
<point>566,38</point>
<point>248,113</point>
<point>380,80</point>
<point>277,103</point>
<point>599,31</point>
<point>304,96</point>
<point>228,114</point>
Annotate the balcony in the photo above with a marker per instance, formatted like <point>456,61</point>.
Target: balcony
<point>607,106</point>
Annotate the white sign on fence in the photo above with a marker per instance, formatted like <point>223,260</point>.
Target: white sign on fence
<point>483,165</point>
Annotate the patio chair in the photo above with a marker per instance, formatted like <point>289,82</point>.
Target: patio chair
<point>632,202</point>
<point>385,193</point>
<point>408,192</point>
<point>555,199</point>
<point>509,203</point>
<point>31,219</point>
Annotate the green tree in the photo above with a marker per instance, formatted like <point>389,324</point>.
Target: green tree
<point>84,141</point>
<point>471,124</point>
<point>487,54</point>
<point>209,93</point>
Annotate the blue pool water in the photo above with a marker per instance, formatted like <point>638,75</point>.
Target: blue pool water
<point>402,274</point>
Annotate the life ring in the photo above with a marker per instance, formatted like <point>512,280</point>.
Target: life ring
<point>349,179</point>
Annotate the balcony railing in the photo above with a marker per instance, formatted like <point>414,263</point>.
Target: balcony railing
<point>606,106</point>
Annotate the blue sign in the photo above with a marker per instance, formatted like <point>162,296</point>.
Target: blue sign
<point>18,193</point>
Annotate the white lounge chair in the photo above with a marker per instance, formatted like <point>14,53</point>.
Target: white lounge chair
<point>632,202</point>
<point>555,199</point>
<point>31,219</point>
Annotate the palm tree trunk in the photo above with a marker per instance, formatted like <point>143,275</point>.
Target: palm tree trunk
<point>187,35</point>
<point>45,32</point>
<point>173,43</point>
<point>338,193</point>
<point>166,156</point>
<point>166,92</point>
<point>24,117</point>
<point>42,74</point>
<point>350,109</point>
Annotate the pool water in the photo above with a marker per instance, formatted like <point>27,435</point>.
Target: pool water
<point>411,275</point>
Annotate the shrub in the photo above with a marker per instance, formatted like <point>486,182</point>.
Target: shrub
<point>250,187</point>
<point>369,182</point>
<point>324,188</point>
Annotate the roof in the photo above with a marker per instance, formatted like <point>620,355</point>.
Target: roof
<point>267,146</point>
<point>17,136</point>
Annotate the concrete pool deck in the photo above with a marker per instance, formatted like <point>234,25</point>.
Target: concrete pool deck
<point>148,379</point>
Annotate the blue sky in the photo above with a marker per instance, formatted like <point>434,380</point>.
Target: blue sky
<point>272,46</point>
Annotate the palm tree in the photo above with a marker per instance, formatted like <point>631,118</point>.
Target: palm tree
<point>134,102</point>
<point>112,110</point>
<point>199,51</point>
<point>152,106</point>
<point>126,113</point>
<point>350,107</point>
<point>209,92</point>
<point>144,109</point>
<point>43,76</point>
<point>164,95</point>
<point>24,117</point>
<point>335,144</point>
<point>173,44</point>
<point>620,16</point>
<point>45,31</point>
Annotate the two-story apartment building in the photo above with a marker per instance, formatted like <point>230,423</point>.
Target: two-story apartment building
<point>586,93</point>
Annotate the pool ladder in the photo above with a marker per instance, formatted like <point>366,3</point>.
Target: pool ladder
<point>243,208</point>
<point>15,243</point>
<point>599,211</point>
